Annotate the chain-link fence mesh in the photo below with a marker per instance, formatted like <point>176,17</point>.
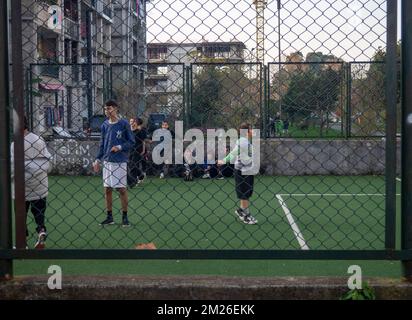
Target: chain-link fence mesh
<point>310,75</point>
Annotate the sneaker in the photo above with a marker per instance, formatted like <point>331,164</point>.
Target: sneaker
<point>239,212</point>
<point>220,177</point>
<point>162,175</point>
<point>108,221</point>
<point>41,240</point>
<point>206,176</point>
<point>125,222</point>
<point>249,219</point>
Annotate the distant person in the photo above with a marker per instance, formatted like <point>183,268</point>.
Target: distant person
<point>136,166</point>
<point>276,124</point>
<point>164,167</point>
<point>36,168</point>
<point>210,169</point>
<point>244,183</point>
<point>271,127</point>
<point>115,142</point>
<point>286,126</point>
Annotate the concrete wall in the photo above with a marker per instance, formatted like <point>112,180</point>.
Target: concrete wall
<point>324,157</point>
<point>137,287</point>
<point>278,157</point>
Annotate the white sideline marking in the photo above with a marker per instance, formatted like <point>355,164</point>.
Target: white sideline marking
<point>293,224</point>
<point>334,194</point>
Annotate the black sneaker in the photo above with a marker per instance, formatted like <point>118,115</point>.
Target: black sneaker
<point>125,222</point>
<point>240,213</point>
<point>41,240</point>
<point>108,221</point>
<point>249,219</point>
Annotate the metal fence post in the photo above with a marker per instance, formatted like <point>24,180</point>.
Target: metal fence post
<point>6,266</point>
<point>188,96</point>
<point>349,102</point>
<point>18,105</point>
<point>30,114</point>
<point>265,103</point>
<point>390,145</point>
<point>406,135</point>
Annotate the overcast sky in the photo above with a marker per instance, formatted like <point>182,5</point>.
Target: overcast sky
<point>349,29</point>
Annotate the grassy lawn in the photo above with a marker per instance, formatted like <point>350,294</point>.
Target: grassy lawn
<point>312,132</point>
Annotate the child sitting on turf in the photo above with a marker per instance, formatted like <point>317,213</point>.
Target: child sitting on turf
<point>210,169</point>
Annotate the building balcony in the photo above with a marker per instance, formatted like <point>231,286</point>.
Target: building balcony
<point>104,10</point>
<point>159,89</point>
<point>222,58</point>
<point>49,68</point>
<point>107,11</point>
<point>42,17</point>
<point>103,49</point>
<point>71,28</point>
<point>157,76</point>
<point>51,2</point>
<point>157,59</point>
<point>70,75</point>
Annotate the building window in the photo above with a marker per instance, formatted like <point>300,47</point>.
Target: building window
<point>138,8</point>
<point>162,70</point>
<point>67,51</point>
<point>71,10</point>
<point>157,53</point>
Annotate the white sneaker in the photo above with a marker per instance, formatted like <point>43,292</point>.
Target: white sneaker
<point>249,219</point>
<point>41,241</point>
<point>162,175</point>
<point>206,176</point>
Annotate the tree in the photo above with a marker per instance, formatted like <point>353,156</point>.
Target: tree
<point>297,102</point>
<point>327,92</point>
<point>224,96</point>
<point>368,94</point>
<point>205,97</point>
<point>312,93</point>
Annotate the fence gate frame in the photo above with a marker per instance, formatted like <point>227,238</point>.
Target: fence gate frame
<point>404,254</point>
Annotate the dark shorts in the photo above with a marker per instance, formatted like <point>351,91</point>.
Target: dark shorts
<point>244,185</point>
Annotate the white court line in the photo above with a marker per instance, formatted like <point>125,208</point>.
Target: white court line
<point>293,224</point>
<point>334,194</point>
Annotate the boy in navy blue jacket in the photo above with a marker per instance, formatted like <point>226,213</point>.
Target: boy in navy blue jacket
<point>115,143</point>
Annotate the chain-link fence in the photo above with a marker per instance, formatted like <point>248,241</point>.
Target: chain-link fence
<point>102,77</point>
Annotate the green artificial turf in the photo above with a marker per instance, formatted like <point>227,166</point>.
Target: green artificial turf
<point>330,212</point>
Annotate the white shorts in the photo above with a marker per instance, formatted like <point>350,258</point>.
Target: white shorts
<point>114,174</point>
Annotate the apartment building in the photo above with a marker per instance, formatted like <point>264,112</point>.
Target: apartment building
<point>67,63</point>
<point>165,74</point>
<point>129,55</point>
